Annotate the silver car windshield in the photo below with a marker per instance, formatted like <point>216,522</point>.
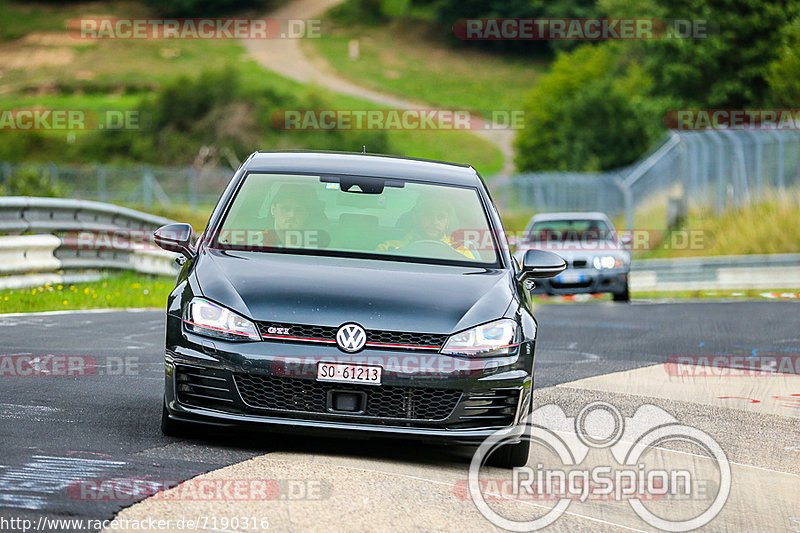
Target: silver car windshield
<point>578,230</point>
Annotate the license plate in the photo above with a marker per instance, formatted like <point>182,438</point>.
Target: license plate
<point>570,277</point>
<point>348,373</point>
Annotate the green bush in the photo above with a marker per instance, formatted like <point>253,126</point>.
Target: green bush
<point>27,181</point>
<point>784,72</point>
<point>204,8</point>
<point>213,109</point>
<point>359,12</point>
<point>589,113</point>
<point>728,69</point>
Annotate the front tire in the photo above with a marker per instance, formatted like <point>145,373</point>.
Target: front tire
<point>173,428</point>
<point>624,296</point>
<point>514,455</point>
<point>511,455</point>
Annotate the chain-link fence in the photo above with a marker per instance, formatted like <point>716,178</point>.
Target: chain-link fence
<point>142,185</point>
<point>718,168</point>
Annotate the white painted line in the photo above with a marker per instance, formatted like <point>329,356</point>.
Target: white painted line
<point>83,311</point>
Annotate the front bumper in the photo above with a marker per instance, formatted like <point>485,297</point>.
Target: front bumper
<point>584,281</point>
<point>272,386</point>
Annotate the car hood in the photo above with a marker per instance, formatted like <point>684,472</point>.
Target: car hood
<point>330,291</point>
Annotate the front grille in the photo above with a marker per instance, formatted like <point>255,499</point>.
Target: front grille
<point>310,396</point>
<point>375,338</point>
<point>204,387</point>
<point>493,407</point>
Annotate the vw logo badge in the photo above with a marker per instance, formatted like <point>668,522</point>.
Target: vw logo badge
<point>351,337</point>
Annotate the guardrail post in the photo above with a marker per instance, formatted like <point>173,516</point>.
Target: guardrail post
<point>5,173</point>
<point>52,171</point>
<point>627,199</point>
<point>742,193</point>
<point>147,186</point>
<point>721,181</point>
<point>780,180</point>
<point>192,174</point>
<point>100,173</point>
<point>759,156</point>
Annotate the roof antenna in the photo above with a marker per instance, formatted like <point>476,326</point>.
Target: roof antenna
<point>363,148</point>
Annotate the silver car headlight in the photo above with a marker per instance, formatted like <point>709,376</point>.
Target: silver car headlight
<point>607,262</point>
<point>213,320</point>
<point>490,339</point>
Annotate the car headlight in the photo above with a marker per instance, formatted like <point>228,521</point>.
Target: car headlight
<point>208,318</point>
<point>494,338</point>
<point>607,262</point>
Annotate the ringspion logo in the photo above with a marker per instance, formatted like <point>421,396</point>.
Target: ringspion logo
<point>599,454</point>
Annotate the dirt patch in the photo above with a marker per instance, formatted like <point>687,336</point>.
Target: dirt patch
<point>31,58</point>
<point>40,38</point>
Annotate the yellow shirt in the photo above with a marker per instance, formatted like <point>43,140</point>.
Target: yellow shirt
<point>396,244</point>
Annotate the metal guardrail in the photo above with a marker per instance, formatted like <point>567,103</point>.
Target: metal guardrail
<point>56,251</point>
<point>26,214</point>
<point>54,255</point>
<point>774,271</point>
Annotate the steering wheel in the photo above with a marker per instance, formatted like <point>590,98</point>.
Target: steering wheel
<point>433,247</point>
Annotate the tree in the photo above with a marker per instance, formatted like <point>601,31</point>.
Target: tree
<point>729,68</point>
<point>784,72</point>
<point>588,114</point>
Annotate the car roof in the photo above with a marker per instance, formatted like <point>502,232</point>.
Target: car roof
<point>567,215</point>
<point>361,164</point>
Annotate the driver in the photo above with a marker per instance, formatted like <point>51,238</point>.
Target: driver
<point>293,211</point>
<point>431,220</point>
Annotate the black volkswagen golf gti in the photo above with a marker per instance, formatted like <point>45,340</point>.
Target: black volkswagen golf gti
<point>346,292</point>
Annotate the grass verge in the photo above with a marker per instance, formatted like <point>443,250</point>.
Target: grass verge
<point>404,58</point>
<point>117,291</point>
<point>43,66</point>
<point>768,226</point>
<point>744,294</point>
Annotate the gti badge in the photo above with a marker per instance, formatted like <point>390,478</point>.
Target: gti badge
<point>351,337</point>
<point>277,331</point>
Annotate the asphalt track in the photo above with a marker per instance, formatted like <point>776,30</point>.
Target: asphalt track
<point>56,431</point>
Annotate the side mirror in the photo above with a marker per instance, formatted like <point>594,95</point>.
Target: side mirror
<point>541,264</point>
<point>175,238</point>
<point>626,239</point>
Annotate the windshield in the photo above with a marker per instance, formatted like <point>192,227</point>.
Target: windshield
<point>570,230</point>
<point>349,215</point>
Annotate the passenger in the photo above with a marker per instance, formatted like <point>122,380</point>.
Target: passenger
<point>431,219</point>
